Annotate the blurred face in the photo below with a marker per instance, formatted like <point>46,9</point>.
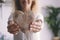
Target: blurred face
<point>25,3</point>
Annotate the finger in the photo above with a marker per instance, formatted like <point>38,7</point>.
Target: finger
<point>13,31</point>
<point>10,22</point>
<point>9,26</point>
<point>35,27</point>
<point>36,23</point>
<point>34,30</point>
<point>13,26</point>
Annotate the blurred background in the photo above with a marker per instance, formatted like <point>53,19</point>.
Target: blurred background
<point>50,10</point>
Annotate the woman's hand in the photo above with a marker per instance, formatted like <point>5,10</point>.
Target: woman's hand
<point>13,27</point>
<point>36,26</point>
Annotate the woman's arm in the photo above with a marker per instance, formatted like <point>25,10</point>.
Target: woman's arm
<point>12,26</point>
<point>37,25</point>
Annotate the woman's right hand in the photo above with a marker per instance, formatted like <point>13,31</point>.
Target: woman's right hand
<point>13,27</point>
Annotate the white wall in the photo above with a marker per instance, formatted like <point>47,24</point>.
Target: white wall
<point>55,3</point>
<point>46,34</point>
<point>4,14</point>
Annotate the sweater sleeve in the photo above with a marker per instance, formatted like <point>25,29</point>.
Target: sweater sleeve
<point>10,17</point>
<point>41,18</point>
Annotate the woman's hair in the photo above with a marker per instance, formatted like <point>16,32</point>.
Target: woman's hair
<point>18,6</point>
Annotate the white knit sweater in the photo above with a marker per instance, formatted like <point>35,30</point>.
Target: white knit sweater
<point>33,36</point>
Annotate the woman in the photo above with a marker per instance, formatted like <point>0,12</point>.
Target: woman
<point>35,26</point>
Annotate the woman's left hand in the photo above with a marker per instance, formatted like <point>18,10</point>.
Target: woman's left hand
<point>36,26</point>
